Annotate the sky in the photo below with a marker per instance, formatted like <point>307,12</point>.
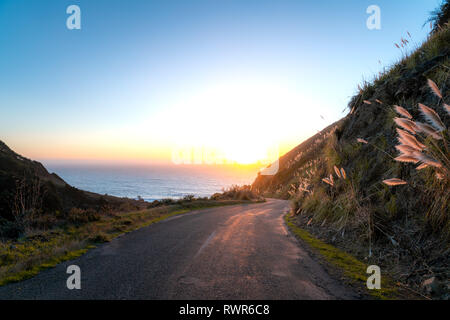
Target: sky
<point>163,81</point>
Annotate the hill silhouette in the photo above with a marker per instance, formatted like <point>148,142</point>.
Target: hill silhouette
<point>28,189</point>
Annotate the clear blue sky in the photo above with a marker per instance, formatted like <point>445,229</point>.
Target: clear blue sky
<point>117,82</point>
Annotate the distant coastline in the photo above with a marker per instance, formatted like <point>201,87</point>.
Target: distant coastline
<point>151,182</point>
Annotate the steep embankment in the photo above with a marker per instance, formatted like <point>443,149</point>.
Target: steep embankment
<point>301,158</point>
<point>335,179</point>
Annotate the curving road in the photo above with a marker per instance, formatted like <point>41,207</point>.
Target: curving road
<point>234,252</point>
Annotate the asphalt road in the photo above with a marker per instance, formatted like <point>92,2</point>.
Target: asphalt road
<point>234,252</point>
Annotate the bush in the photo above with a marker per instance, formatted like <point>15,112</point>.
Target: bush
<point>440,16</point>
<point>100,238</point>
<point>43,221</point>
<point>236,192</point>
<point>10,230</point>
<point>154,204</point>
<point>80,216</point>
<point>188,197</point>
<point>167,201</point>
<point>127,207</point>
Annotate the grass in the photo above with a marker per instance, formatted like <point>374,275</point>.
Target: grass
<point>27,257</point>
<point>26,274</point>
<point>351,267</point>
<point>404,228</point>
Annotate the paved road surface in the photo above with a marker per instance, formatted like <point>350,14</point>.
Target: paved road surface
<point>234,252</point>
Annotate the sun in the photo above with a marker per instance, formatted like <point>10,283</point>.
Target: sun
<point>239,121</point>
<point>241,155</point>
<point>245,152</point>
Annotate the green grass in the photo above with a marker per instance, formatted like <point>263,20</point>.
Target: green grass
<point>351,267</point>
<point>26,274</point>
<point>25,258</point>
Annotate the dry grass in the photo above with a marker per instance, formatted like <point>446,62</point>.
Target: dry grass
<point>432,153</point>
<point>392,208</point>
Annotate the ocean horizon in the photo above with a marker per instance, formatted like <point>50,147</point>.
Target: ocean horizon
<point>153,182</point>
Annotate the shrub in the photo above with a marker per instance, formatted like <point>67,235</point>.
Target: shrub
<point>236,192</point>
<point>80,216</point>
<point>10,230</point>
<point>167,201</point>
<point>189,197</point>
<point>99,238</point>
<point>440,16</point>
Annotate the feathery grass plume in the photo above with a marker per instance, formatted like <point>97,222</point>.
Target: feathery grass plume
<point>397,45</point>
<point>402,111</point>
<point>410,140</point>
<point>402,141</point>
<point>447,108</point>
<point>378,101</point>
<point>362,140</point>
<point>326,180</point>
<point>394,182</point>
<point>338,173</point>
<point>434,88</point>
<point>428,130</point>
<point>422,166</point>
<point>405,149</point>
<point>432,117</point>
<point>406,124</point>
<point>439,176</point>
<point>331,179</point>
<point>344,175</point>
<point>407,158</point>
<point>367,102</point>
<point>428,160</point>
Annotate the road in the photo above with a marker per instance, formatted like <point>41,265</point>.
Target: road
<point>233,252</point>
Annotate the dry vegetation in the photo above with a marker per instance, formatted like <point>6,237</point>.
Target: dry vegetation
<point>376,183</point>
<point>236,192</point>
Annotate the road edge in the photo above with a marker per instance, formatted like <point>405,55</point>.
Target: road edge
<point>342,263</point>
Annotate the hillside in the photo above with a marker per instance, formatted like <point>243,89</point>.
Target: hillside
<point>15,164</point>
<point>30,196</point>
<point>335,179</point>
<point>301,158</point>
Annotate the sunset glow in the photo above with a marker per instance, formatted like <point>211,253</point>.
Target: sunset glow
<point>230,84</point>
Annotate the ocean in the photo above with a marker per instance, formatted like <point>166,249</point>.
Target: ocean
<point>152,182</point>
